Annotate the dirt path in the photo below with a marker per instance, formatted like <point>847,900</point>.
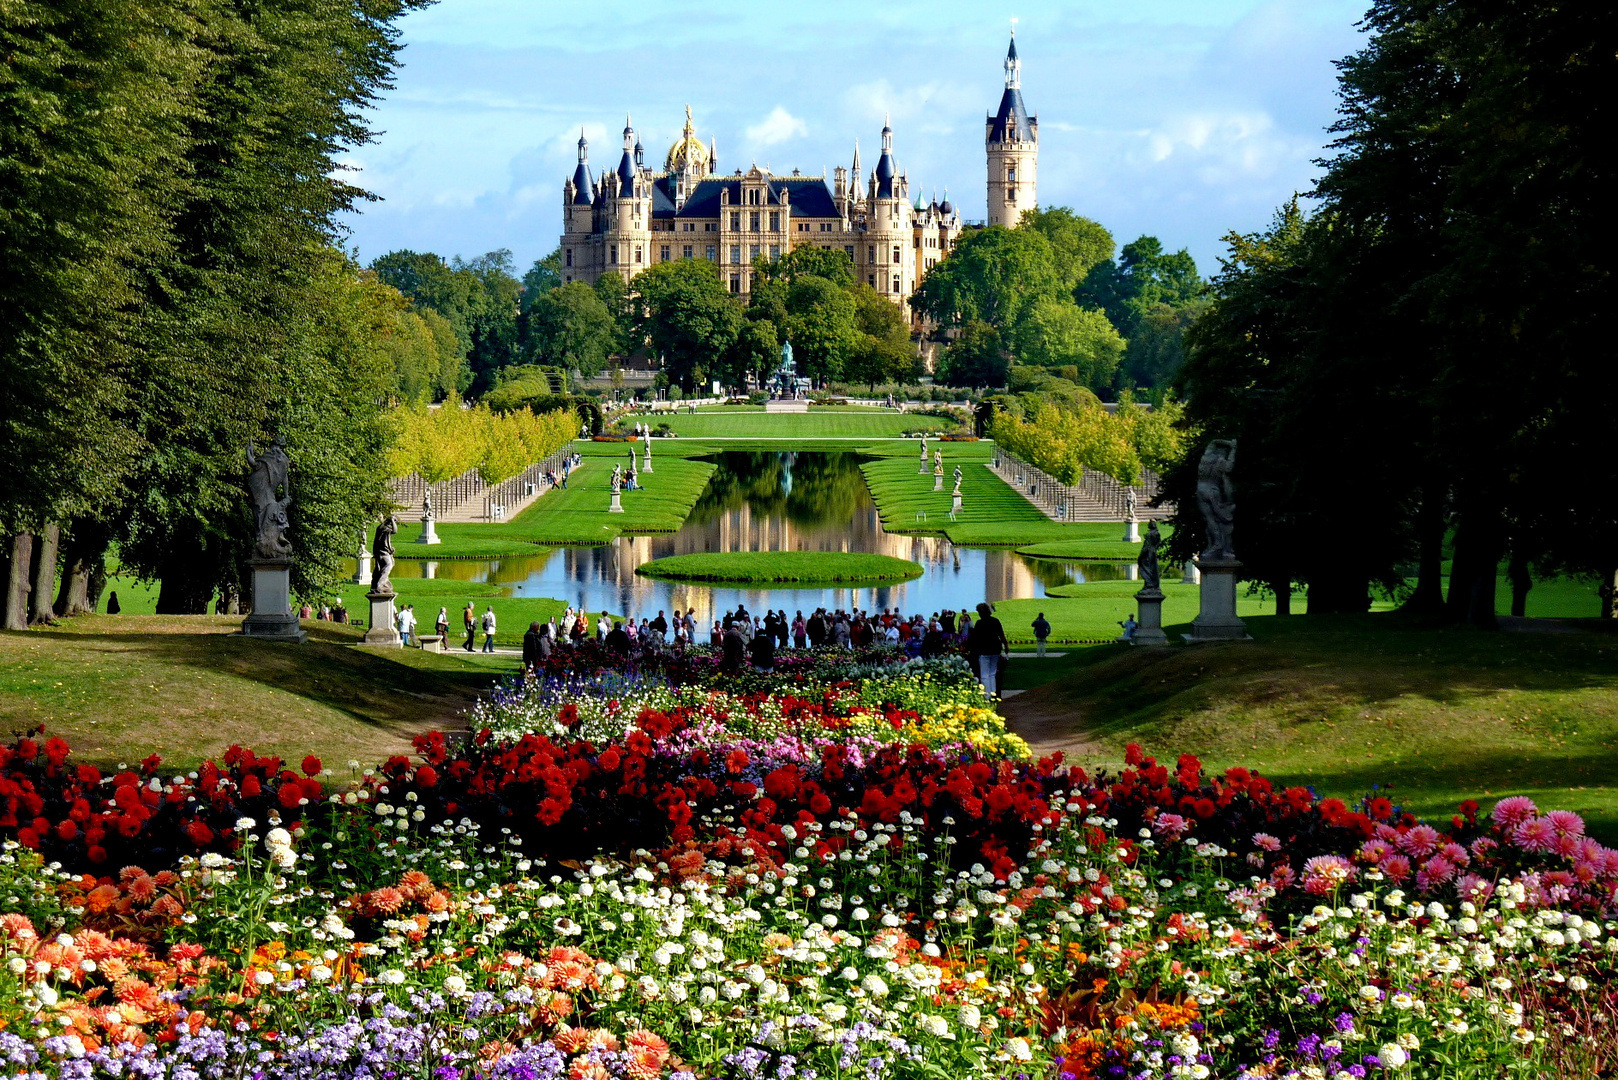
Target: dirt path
<point>1048,725</point>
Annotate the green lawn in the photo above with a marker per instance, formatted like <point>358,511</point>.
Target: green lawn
<point>1090,540</point>
<point>119,688</point>
<point>764,567</point>
<point>1432,715</point>
<point>1092,611</point>
<point>820,422</point>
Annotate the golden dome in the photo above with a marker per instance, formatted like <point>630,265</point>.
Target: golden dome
<point>687,149</point>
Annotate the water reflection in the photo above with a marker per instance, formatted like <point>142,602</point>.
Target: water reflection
<point>773,501</point>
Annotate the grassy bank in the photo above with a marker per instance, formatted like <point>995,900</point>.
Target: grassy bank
<point>820,422</point>
<point>1432,715</point>
<point>776,567</point>
<point>1090,540</point>
<point>118,688</point>
<point>1092,611</point>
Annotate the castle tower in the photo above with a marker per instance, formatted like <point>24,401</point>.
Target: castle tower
<point>628,228</point>
<point>1011,139</point>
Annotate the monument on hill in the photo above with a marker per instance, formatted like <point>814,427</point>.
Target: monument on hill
<point>1216,499</point>
<point>382,631</point>
<point>269,486</point>
<point>1150,597</point>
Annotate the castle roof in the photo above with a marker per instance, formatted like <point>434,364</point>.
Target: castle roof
<point>810,197</point>
<point>1011,123</point>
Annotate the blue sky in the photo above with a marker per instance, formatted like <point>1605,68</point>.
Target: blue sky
<point>1180,118</point>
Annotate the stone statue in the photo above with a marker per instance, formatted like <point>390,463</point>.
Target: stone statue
<point>1129,504</point>
<point>1150,573</point>
<point>271,493</point>
<point>427,515</point>
<point>1216,498</point>
<point>382,553</point>
<point>617,478</point>
<point>938,458</point>
<point>924,446</point>
<point>632,458</point>
<point>938,466</point>
<point>786,358</point>
<point>957,480</point>
<point>647,438</point>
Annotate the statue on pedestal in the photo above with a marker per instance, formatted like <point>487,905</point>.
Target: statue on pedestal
<point>938,467</point>
<point>957,481</point>
<point>271,493</point>
<point>1217,499</point>
<point>1129,504</point>
<point>924,446</point>
<point>617,478</point>
<point>1150,571</point>
<point>382,555</point>
<point>427,515</point>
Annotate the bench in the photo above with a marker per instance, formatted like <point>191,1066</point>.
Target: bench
<point>431,642</point>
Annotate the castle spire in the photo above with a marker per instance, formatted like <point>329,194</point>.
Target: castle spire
<point>1013,64</point>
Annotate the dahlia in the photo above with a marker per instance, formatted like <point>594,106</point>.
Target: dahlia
<point>1513,809</point>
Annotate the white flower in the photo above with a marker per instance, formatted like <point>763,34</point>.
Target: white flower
<point>455,985</point>
<point>970,1017</point>
<point>245,823</point>
<point>873,985</point>
<point>391,977</point>
<point>1020,1050</point>
<point>936,1026</point>
<point>1185,1044</point>
<point>278,838</point>
<point>212,860</point>
<point>1402,1000</point>
<point>1392,1056</point>
<point>319,973</point>
<point>1370,993</point>
<point>46,995</point>
<point>1578,984</point>
<point>1522,1036</point>
<point>264,978</point>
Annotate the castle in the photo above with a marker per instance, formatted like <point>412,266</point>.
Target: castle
<point>624,221</point>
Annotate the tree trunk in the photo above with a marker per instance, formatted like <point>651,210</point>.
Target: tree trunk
<point>18,581</point>
<point>1283,596</point>
<point>46,545</point>
<point>1428,599</point>
<point>84,572</point>
<point>1521,582</point>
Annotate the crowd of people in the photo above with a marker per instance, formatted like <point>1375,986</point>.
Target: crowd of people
<point>746,639</point>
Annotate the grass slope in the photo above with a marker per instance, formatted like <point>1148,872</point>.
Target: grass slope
<point>1435,715</point>
<point>1091,540</point>
<point>1092,611</point>
<point>119,688</point>
<point>820,422</point>
<point>775,567</point>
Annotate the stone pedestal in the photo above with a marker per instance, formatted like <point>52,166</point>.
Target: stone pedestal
<point>1218,621</point>
<point>382,631</point>
<point>938,483</point>
<point>1190,575</point>
<point>1132,532</point>
<point>362,574</point>
<point>646,467</point>
<point>923,470</point>
<point>617,506</point>
<point>955,503</point>
<point>429,532</point>
<point>1150,631</point>
<point>272,617</point>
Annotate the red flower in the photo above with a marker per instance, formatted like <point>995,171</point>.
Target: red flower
<point>311,766</point>
<point>427,776</point>
<point>736,761</point>
<point>67,829</point>
<point>251,788</point>
<point>609,760</point>
<point>290,795</point>
<point>96,853</point>
<point>199,833</point>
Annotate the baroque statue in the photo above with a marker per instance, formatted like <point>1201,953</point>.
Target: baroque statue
<point>1217,499</point>
<point>382,555</point>
<point>1129,504</point>
<point>427,514</point>
<point>1151,573</point>
<point>271,493</point>
<point>957,480</point>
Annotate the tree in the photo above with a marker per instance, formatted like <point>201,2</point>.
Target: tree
<point>1157,347</point>
<point>1143,276</point>
<point>821,326</point>
<point>835,266</point>
<point>1056,332</point>
<point>975,358</point>
<point>1077,243</point>
<point>883,350</point>
<point>687,315</point>
<point>755,352</point>
<point>492,316</point>
<point>570,327</point>
<point>991,276</point>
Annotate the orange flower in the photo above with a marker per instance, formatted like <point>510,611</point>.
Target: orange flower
<point>101,899</point>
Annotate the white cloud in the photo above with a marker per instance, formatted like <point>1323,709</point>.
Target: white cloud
<point>775,128</point>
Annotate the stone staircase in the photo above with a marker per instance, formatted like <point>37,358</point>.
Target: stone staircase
<point>1096,497</point>
<point>466,498</point>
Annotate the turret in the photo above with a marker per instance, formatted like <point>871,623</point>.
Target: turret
<point>1011,143</point>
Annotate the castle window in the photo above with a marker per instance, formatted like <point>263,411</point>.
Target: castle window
<point>735,283</point>
<point>736,220</point>
<point>825,226</point>
<point>848,249</point>
<point>570,256</point>
<point>1011,194</point>
<point>775,252</point>
<point>736,255</point>
<point>870,256</point>
<point>895,252</point>
<point>895,282</point>
<point>873,281</point>
<point>775,221</point>
<point>752,253</point>
<point>710,226</point>
<point>712,254</point>
<point>752,221</point>
<point>637,253</point>
<point>1011,174</point>
<point>663,253</point>
<point>686,252</point>
<point>615,254</point>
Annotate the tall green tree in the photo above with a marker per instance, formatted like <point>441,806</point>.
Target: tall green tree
<point>992,276</point>
<point>570,327</point>
<point>1077,243</point>
<point>1055,332</point>
<point>687,316</point>
<point>1144,275</point>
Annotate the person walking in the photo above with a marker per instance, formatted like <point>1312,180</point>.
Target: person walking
<point>986,643</point>
<point>530,648</point>
<point>1042,630</point>
<point>441,624</point>
<point>403,622</point>
<point>488,629</point>
<point>113,607</point>
<point>470,618</point>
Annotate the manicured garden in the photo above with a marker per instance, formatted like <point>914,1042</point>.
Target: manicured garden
<point>777,567</point>
<point>820,422</point>
<point>843,869</point>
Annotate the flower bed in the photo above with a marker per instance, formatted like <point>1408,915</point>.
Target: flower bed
<point>756,883</point>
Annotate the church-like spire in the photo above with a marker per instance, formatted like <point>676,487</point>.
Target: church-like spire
<point>1013,65</point>
<point>626,164</point>
<point>581,174</point>
<point>885,169</point>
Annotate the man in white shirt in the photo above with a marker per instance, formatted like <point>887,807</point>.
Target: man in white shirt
<point>406,621</point>
<point>488,629</point>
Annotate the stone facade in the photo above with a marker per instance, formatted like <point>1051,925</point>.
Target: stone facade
<point>634,217</point>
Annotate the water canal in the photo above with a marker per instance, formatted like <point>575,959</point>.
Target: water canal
<point>772,501</point>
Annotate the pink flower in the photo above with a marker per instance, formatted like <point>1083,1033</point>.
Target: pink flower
<point>1534,834</point>
<point>1324,873</point>
<point>1419,840</point>
<point>1266,841</point>
<point>1456,854</point>
<point>1513,809</point>
<point>1282,877</point>
<point>1374,851</point>
<point>1170,827</point>
<point>1439,868</point>
<point>1473,888</point>
<point>1387,832</point>
<point>1566,822</point>
<point>1484,846</point>
<point>1565,845</point>
<point>1397,867</point>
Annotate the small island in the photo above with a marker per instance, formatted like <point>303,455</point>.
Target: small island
<point>783,567</point>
